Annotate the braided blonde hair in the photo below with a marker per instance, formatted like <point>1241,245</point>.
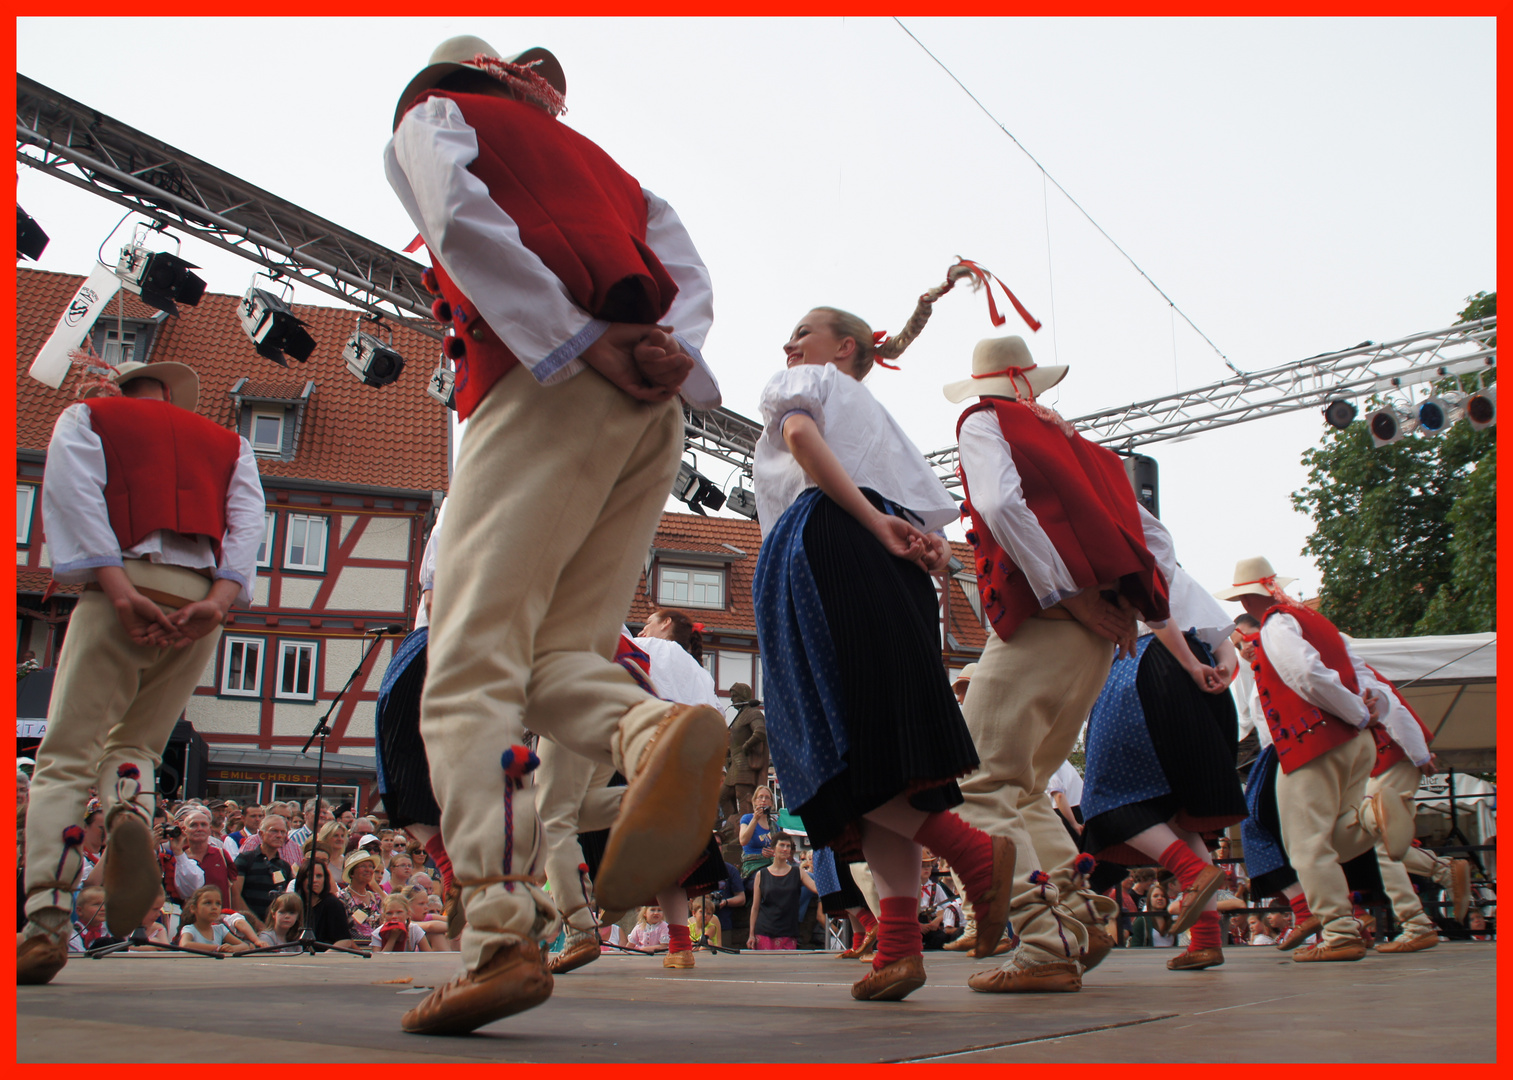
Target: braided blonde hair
<point>868,350</point>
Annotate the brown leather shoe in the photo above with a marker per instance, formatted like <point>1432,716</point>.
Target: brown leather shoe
<point>1460,889</point>
<point>1057,978</point>
<point>1196,895</point>
<point>867,944</point>
<point>991,909</point>
<point>579,949</point>
<point>891,982</point>
<point>665,816</point>
<point>1099,944</point>
<point>132,876</point>
<point>512,981</point>
<point>1196,960</point>
<point>39,958</point>
<point>1415,943</point>
<point>678,960</point>
<point>1348,949</point>
<point>965,943</point>
<point>1296,935</point>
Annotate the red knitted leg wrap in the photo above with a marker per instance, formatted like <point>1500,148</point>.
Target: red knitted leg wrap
<point>438,853</point>
<point>1205,932</point>
<point>968,850</point>
<point>1180,860</point>
<point>1300,910</point>
<point>678,938</point>
<point>865,918</point>
<point>898,931</point>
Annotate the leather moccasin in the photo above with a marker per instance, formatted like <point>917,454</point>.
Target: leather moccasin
<point>1099,944</point>
<point>1413,943</point>
<point>1298,934</point>
<point>678,960</point>
<point>39,958</point>
<point>991,909</point>
<point>1348,949</point>
<point>1196,895</point>
<point>665,816</point>
<point>132,877</point>
<point>1196,960</point>
<point>1057,978</point>
<point>511,982</point>
<point>966,943</point>
<point>891,982</point>
<point>580,949</point>
<point>867,944</point>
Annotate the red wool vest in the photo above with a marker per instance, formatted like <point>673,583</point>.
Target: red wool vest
<point>1080,495</point>
<point>1302,731</point>
<point>1388,752</point>
<point>582,214</point>
<point>165,468</point>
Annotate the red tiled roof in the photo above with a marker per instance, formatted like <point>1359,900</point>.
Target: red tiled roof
<point>689,532</point>
<point>392,436</point>
<point>36,581</point>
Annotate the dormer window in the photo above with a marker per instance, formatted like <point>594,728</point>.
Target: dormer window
<point>267,431</point>
<point>270,415</point>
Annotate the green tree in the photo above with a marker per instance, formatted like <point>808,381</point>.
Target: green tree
<point>1406,534</point>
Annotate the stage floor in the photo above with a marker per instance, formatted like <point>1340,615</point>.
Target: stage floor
<point>1435,1006</point>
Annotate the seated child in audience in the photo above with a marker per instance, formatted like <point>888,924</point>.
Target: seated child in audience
<point>651,932</point>
<point>152,922</point>
<point>89,918</point>
<point>429,919</point>
<point>285,920</point>
<point>700,914</point>
<point>397,932</point>
<point>207,932</point>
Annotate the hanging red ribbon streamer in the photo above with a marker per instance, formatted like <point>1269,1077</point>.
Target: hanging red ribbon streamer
<point>414,245</point>
<point>987,277</point>
<point>878,337</point>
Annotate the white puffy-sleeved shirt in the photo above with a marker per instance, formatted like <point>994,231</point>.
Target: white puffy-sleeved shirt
<point>479,246</point>
<point>1067,781</point>
<point>428,574</point>
<point>1399,722</point>
<point>863,435</point>
<point>1194,608</point>
<point>77,522</point>
<point>677,675</point>
<point>1302,668</point>
<point>998,497</point>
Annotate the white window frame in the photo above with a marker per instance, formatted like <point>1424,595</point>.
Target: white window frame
<point>270,530</point>
<point>229,644</point>
<point>27,492</point>
<point>286,649</point>
<point>125,346</point>
<point>281,416</point>
<point>668,600</point>
<point>290,563</point>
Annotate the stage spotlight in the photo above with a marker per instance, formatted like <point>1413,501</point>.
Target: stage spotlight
<point>1481,408</point>
<point>1339,413</point>
<point>30,239</point>
<point>443,384</point>
<point>743,502</point>
<point>695,489</point>
<point>371,360</point>
<point>1389,424</point>
<point>160,278</point>
<point>272,325</point>
<point>1440,411</point>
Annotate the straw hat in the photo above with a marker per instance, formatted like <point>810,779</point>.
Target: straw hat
<point>457,53</point>
<point>965,675</point>
<point>180,379</point>
<point>354,860</point>
<point>1251,577</point>
<point>1003,367</point>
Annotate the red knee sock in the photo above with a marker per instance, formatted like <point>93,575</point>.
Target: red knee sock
<point>865,918</point>
<point>898,931</point>
<point>1300,910</point>
<point>438,853</point>
<point>968,850</point>
<point>1180,860</point>
<point>1205,932</point>
<point>678,938</point>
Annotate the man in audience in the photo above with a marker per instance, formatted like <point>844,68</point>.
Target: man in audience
<point>264,873</point>
<point>302,834</point>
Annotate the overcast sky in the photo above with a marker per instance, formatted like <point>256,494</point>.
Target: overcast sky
<point>1295,186</point>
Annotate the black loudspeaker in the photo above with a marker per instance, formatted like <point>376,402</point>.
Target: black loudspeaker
<point>1141,471</point>
<point>186,764</point>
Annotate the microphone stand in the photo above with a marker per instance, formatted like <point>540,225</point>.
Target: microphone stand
<point>306,942</point>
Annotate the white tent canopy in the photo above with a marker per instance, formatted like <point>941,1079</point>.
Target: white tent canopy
<point>1451,682</point>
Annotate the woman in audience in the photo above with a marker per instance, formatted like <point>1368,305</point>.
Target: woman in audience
<point>1156,928</point>
<point>775,900</point>
<point>327,916</point>
<point>398,874</point>
<point>362,898</point>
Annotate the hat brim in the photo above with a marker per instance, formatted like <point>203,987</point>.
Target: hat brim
<point>550,69</point>
<point>1041,379</point>
<point>1234,592</point>
<point>182,381</point>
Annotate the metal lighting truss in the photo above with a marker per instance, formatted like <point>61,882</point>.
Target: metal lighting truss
<point>88,149</point>
<point>1369,368</point>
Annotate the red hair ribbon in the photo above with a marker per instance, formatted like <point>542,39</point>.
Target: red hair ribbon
<point>699,627</point>
<point>878,337</point>
<point>987,277</point>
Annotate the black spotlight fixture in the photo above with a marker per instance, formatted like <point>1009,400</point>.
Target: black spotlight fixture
<point>373,361</point>
<point>695,489</point>
<point>1481,408</point>
<point>30,239</point>
<point>443,384</point>
<point>1339,413</point>
<point>160,278</point>
<point>1439,412</point>
<point>270,322</point>
<point>1389,424</point>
